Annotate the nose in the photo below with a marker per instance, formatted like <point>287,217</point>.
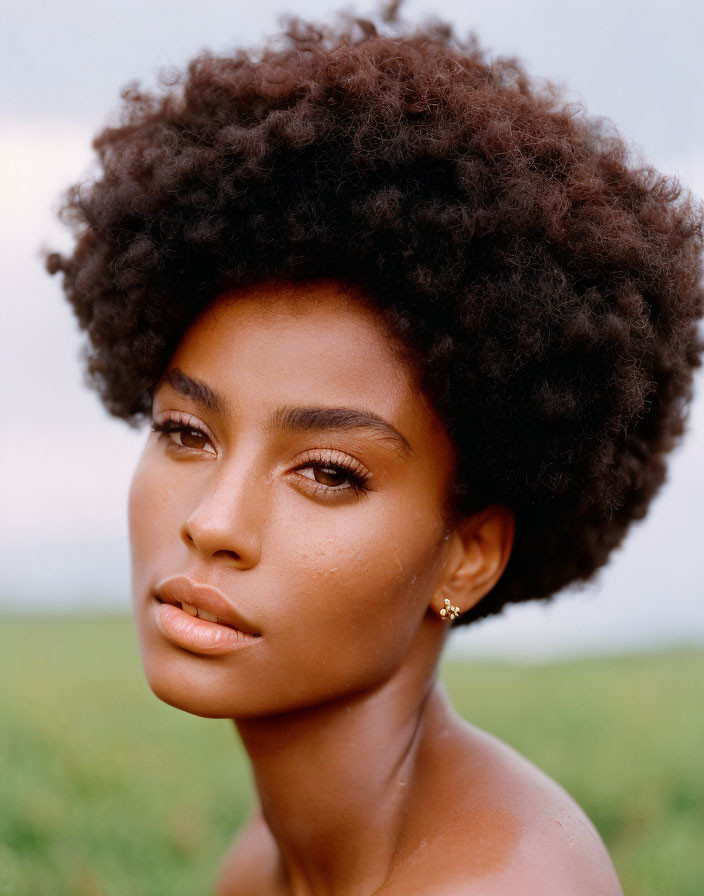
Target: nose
<point>226,524</point>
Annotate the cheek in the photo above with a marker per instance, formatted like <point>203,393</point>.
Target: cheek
<point>360,586</point>
<point>154,517</point>
<point>142,513</point>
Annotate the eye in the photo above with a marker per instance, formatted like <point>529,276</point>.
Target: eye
<point>189,438</point>
<point>182,434</point>
<point>332,477</point>
<point>332,472</point>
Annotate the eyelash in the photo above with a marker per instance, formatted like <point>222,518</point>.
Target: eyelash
<point>340,463</point>
<point>182,424</point>
<point>324,459</point>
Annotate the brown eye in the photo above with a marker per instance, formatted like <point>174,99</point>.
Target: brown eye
<point>330,476</point>
<point>179,434</point>
<point>331,479</point>
<point>190,438</point>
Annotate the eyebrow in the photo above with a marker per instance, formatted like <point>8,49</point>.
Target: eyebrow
<point>199,391</point>
<point>303,419</point>
<point>298,419</point>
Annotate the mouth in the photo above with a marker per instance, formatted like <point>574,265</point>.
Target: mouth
<point>200,618</point>
<point>203,601</point>
<point>199,612</point>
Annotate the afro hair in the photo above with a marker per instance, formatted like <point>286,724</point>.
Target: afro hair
<point>545,285</point>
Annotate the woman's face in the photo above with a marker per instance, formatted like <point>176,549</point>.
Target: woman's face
<point>296,484</point>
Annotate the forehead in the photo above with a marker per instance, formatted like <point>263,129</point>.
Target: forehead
<point>313,344</point>
<point>319,345</point>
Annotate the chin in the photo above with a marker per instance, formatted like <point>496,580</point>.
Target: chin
<point>202,687</point>
<point>189,701</point>
<point>188,684</point>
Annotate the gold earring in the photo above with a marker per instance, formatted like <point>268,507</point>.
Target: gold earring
<point>449,612</point>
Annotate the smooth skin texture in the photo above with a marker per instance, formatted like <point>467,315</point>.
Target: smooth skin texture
<point>330,534</point>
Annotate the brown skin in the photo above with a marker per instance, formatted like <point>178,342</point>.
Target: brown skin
<point>367,780</point>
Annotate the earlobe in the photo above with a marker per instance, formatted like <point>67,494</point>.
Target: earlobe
<point>477,556</point>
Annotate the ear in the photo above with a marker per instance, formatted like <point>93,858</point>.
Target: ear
<point>477,554</point>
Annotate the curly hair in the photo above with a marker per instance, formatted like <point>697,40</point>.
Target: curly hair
<point>545,286</point>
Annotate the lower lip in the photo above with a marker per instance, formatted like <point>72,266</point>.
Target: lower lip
<point>199,635</point>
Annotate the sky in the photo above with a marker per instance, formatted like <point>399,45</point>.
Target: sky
<point>65,466</point>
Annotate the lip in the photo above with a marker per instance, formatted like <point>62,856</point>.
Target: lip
<point>183,590</point>
<point>231,631</point>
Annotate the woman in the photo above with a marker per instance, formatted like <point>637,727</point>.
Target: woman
<point>415,338</point>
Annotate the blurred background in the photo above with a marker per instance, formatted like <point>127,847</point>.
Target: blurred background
<point>66,466</point>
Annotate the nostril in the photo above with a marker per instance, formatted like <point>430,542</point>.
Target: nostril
<point>187,536</point>
<point>227,555</point>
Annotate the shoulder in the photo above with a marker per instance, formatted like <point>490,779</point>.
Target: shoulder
<point>499,826</point>
<point>567,862</point>
<point>495,825</point>
<point>519,881</point>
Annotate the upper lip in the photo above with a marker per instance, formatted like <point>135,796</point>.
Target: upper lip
<point>182,589</point>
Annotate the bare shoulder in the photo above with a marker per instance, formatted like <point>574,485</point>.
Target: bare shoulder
<point>249,867</point>
<point>495,825</point>
<point>499,826</point>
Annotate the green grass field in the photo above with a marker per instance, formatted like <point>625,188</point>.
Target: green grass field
<point>105,791</point>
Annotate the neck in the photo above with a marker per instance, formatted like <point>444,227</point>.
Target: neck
<point>334,781</point>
